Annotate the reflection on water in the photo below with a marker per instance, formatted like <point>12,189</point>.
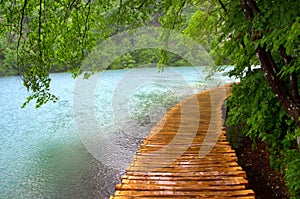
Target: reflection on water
<point>41,154</point>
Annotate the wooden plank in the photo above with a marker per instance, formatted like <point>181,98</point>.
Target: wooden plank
<point>182,183</point>
<point>181,197</point>
<point>192,194</point>
<point>164,155</point>
<point>185,164</point>
<point>160,145</point>
<point>190,150</point>
<point>181,178</point>
<point>184,170</point>
<point>167,164</point>
<point>187,174</point>
<point>191,187</point>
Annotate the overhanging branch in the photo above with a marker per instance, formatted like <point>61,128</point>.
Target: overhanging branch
<point>222,5</point>
<point>21,24</point>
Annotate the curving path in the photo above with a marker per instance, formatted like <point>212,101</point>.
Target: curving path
<point>186,155</point>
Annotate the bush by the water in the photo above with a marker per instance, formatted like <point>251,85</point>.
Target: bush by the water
<point>256,113</point>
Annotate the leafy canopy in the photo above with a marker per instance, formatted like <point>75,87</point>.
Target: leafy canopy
<point>260,38</point>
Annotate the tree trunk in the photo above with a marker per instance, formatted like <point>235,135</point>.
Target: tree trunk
<point>287,97</point>
<point>277,85</point>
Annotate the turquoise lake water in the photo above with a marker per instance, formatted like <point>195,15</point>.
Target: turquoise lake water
<point>45,154</point>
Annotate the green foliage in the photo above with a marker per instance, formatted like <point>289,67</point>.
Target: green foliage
<point>8,60</point>
<point>200,20</point>
<point>253,107</point>
<point>126,61</point>
<point>48,35</point>
<point>144,57</point>
<point>58,36</point>
<point>39,37</point>
<point>250,105</point>
<point>292,174</point>
<point>254,110</point>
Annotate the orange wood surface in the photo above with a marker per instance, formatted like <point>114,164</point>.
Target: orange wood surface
<point>186,155</point>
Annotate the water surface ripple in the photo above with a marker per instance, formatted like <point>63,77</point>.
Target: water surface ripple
<point>41,154</point>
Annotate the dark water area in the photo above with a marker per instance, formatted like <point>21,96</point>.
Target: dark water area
<point>44,153</point>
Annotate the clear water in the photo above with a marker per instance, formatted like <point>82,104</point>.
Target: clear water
<point>42,152</point>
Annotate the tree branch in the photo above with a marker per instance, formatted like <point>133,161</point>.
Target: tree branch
<point>270,69</point>
<point>86,25</point>
<point>71,4</point>
<point>222,5</point>
<point>277,85</point>
<point>253,6</point>
<point>293,76</point>
<point>247,10</point>
<point>21,24</point>
<point>142,4</point>
<point>179,13</point>
<point>40,31</point>
<point>182,5</point>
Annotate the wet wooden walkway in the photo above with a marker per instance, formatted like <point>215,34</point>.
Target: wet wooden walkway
<point>186,155</point>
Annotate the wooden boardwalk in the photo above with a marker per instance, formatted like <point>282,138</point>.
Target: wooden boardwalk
<point>186,155</point>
